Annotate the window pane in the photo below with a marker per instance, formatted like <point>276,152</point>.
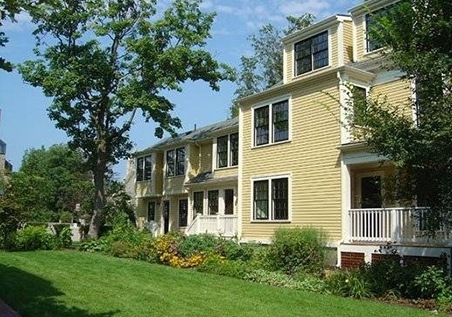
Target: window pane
<point>198,203</point>
<point>147,167</point>
<point>280,199</point>
<point>261,126</point>
<point>320,50</point>
<point>280,121</point>
<point>212,197</point>
<point>170,163</point>
<point>311,53</point>
<point>222,151</point>
<point>371,24</point>
<point>180,161</point>
<point>151,211</point>
<point>139,169</point>
<point>229,201</point>
<point>234,140</point>
<point>261,200</point>
<point>183,212</point>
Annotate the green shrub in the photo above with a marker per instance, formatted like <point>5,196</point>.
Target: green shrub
<point>34,238</point>
<point>205,243</point>
<point>349,283</point>
<point>146,250</point>
<point>66,217</point>
<point>432,282</point>
<point>388,277</point>
<point>214,264</point>
<point>294,249</point>
<point>91,245</point>
<point>64,237</point>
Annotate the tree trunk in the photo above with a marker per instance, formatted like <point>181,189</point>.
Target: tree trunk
<point>99,197</point>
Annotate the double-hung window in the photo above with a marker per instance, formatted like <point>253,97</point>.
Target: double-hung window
<point>212,200</point>
<point>175,162</point>
<point>312,53</point>
<point>271,123</point>
<point>144,168</point>
<point>198,203</point>
<point>271,199</point>
<point>228,150</point>
<point>371,23</point>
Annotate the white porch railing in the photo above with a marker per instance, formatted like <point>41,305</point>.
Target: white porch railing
<point>224,225</point>
<point>400,225</point>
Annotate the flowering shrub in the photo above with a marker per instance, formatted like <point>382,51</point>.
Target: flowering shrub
<point>167,247</point>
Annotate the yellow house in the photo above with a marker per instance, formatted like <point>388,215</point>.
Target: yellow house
<point>300,165</point>
<point>189,183</point>
<point>290,159</point>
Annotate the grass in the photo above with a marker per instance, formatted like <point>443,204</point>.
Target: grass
<point>76,284</point>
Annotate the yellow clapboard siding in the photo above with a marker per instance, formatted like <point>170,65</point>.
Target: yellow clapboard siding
<point>348,42</point>
<point>333,47</point>
<point>310,158</point>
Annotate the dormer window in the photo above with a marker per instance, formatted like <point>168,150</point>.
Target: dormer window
<point>144,168</point>
<point>311,54</point>
<point>371,22</point>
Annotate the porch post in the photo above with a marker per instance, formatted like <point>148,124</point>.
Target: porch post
<point>198,223</point>
<point>395,225</point>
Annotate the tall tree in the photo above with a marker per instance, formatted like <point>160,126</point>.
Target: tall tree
<point>8,9</point>
<point>103,62</point>
<point>417,35</point>
<point>264,67</point>
<point>51,181</point>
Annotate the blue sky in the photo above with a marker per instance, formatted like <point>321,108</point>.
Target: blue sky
<point>24,122</point>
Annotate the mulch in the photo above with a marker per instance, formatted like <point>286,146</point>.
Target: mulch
<point>7,311</point>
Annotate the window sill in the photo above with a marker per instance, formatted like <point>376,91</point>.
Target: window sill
<point>144,181</point>
<point>175,176</point>
<point>374,52</point>
<point>226,168</point>
<point>312,72</point>
<point>270,221</point>
<point>271,144</point>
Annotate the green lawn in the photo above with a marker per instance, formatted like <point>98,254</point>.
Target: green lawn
<point>75,284</point>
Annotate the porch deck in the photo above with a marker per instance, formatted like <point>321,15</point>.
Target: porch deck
<point>394,225</point>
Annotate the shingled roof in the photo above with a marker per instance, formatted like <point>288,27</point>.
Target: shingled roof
<point>196,135</point>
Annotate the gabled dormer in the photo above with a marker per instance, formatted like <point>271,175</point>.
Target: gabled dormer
<point>363,16</point>
<point>321,46</point>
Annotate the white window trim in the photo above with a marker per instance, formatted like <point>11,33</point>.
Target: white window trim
<point>289,198</point>
<point>144,165</point>
<point>215,153</point>
<point>294,73</point>
<point>270,102</point>
<point>165,165</point>
<point>178,212</point>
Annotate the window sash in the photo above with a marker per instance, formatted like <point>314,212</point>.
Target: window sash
<point>198,203</point>
<point>271,199</point>
<point>147,167</point>
<point>234,143</point>
<point>280,121</point>
<point>222,151</point>
<point>312,53</point>
<point>175,162</point>
<point>261,200</point>
<point>261,124</point>
<point>180,161</point>
<point>212,197</point>
<point>280,198</point>
<point>170,163</point>
<point>139,169</point>
<point>151,211</point>
<point>183,212</point>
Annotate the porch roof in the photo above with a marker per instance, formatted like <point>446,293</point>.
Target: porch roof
<point>209,178</point>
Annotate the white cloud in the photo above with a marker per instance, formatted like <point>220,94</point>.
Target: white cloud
<point>22,22</point>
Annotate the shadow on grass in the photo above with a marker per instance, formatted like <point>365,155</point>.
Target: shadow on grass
<point>32,296</point>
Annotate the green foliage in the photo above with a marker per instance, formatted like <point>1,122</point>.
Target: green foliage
<point>34,238</point>
<point>219,266</point>
<point>433,283</point>
<point>419,46</point>
<point>349,283</point>
<point>91,245</point>
<point>12,216</point>
<point>295,249</point>
<point>307,283</point>
<point>104,64</point>
<point>50,182</point>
